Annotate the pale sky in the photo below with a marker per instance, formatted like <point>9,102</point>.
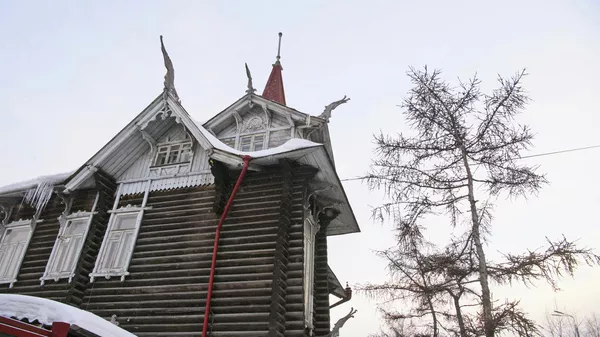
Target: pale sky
<point>74,73</point>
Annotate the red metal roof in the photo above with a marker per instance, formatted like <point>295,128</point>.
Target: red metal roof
<point>274,88</point>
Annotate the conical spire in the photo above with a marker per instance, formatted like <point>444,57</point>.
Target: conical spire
<point>274,88</point>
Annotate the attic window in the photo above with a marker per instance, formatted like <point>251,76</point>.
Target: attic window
<point>169,154</point>
<point>229,141</point>
<point>254,142</point>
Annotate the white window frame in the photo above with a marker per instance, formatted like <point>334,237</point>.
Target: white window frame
<point>30,223</point>
<point>168,147</point>
<point>253,141</point>
<point>64,223</point>
<point>232,138</point>
<point>311,227</point>
<point>115,213</point>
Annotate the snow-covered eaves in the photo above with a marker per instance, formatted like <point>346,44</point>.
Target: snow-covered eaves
<point>55,179</point>
<point>47,311</point>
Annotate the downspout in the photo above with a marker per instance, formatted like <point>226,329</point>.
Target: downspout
<point>216,245</point>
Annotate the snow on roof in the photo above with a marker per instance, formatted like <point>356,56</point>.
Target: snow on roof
<point>289,146</point>
<point>48,311</point>
<point>43,180</point>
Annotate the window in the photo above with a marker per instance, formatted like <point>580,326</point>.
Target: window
<point>67,248</point>
<point>252,142</point>
<point>229,141</point>
<point>310,231</point>
<point>13,244</point>
<point>118,244</point>
<point>173,154</point>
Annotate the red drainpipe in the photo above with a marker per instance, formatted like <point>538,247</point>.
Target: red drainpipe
<point>216,246</point>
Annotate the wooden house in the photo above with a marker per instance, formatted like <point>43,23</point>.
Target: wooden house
<point>173,217</point>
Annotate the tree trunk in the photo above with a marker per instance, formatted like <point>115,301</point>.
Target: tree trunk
<point>459,317</point>
<point>486,300</point>
<point>434,316</point>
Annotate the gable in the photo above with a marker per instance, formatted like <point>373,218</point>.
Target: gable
<point>145,165</point>
<point>253,115</point>
<point>136,139</point>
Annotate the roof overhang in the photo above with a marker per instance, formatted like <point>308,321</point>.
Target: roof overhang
<point>303,152</point>
<point>335,287</point>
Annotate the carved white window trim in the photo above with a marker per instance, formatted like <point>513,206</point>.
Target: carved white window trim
<point>66,221</point>
<point>30,223</point>
<point>311,227</point>
<point>224,140</point>
<point>168,147</point>
<point>253,141</point>
<point>115,213</point>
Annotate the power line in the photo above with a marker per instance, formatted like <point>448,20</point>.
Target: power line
<point>525,157</point>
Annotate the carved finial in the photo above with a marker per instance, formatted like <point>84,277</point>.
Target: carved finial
<point>250,87</point>
<point>169,84</point>
<point>279,48</point>
<point>328,109</point>
<point>335,332</point>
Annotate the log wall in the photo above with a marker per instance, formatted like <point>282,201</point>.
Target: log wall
<point>259,275</point>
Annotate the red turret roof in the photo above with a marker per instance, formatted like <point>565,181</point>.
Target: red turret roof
<point>274,88</point>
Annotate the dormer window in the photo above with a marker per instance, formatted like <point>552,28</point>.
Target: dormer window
<point>177,153</point>
<point>255,142</point>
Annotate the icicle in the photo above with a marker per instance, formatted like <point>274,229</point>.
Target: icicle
<point>39,196</point>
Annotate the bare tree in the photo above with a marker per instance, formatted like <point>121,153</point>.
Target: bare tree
<point>465,142</point>
<point>564,324</point>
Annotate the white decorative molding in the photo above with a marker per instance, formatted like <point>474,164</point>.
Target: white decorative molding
<point>67,201</point>
<point>19,223</point>
<point>253,124</point>
<point>129,209</point>
<point>163,114</point>
<point>80,214</point>
<point>123,270</point>
<point>183,180</point>
<point>238,120</point>
<point>268,115</point>
<point>288,116</point>
<point>7,213</point>
<point>77,215</point>
<point>149,140</point>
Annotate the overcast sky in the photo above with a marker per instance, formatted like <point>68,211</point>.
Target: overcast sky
<point>74,73</point>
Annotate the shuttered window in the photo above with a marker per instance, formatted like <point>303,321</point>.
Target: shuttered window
<point>13,245</point>
<point>118,245</point>
<point>67,249</point>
